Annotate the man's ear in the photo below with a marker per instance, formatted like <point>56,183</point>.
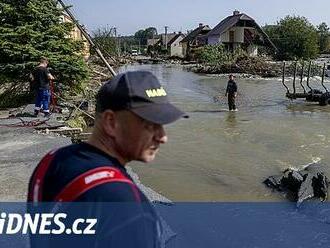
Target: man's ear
<point>108,122</point>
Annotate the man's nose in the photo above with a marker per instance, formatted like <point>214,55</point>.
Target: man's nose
<point>161,135</point>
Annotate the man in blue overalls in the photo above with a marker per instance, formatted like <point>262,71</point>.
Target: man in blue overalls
<point>41,78</point>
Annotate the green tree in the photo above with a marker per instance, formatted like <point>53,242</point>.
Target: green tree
<point>324,37</point>
<point>295,38</point>
<point>143,35</point>
<point>150,32</point>
<point>31,29</point>
<point>104,38</point>
<point>217,55</point>
<point>140,36</point>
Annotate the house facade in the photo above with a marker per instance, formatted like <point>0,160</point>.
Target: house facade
<point>169,43</point>
<point>239,31</point>
<point>175,46</point>
<point>152,42</point>
<point>76,34</point>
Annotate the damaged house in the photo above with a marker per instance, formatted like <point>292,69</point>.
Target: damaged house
<point>239,31</point>
<point>170,43</point>
<point>175,46</point>
<point>194,39</point>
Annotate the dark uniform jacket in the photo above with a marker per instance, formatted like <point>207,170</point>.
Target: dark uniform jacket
<point>40,75</point>
<point>124,222</point>
<point>231,87</point>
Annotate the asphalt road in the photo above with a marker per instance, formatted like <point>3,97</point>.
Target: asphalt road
<point>20,151</point>
<point>21,148</point>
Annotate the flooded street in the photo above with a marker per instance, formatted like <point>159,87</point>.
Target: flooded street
<point>217,155</point>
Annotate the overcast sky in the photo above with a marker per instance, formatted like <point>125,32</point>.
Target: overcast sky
<point>182,15</point>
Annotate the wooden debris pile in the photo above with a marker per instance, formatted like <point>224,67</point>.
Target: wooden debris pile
<point>300,185</point>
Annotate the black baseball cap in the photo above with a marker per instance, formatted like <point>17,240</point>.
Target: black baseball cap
<point>141,93</point>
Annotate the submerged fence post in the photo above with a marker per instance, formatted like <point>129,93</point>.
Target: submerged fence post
<point>322,82</point>
<point>294,78</point>
<point>283,78</point>
<point>302,76</point>
<point>308,75</point>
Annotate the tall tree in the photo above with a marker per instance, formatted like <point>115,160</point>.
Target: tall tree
<point>140,35</point>
<point>295,37</point>
<point>144,34</point>
<point>104,37</point>
<point>150,32</point>
<point>30,29</point>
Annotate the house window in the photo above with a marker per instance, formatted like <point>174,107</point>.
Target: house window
<point>231,36</point>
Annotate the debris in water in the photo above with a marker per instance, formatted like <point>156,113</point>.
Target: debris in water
<point>300,185</point>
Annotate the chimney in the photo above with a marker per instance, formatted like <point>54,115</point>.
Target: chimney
<point>236,12</point>
<point>201,25</point>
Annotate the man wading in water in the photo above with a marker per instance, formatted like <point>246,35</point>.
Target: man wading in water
<point>231,92</point>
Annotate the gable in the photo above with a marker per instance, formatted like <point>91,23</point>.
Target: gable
<point>197,31</point>
<point>240,20</point>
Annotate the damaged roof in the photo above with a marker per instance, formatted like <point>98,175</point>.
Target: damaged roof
<point>193,34</point>
<point>175,38</point>
<point>227,23</point>
<point>232,20</point>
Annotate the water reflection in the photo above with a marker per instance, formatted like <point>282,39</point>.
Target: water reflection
<point>231,121</point>
<point>302,107</point>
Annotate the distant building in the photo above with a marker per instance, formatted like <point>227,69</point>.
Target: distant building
<point>152,42</point>
<point>175,46</point>
<point>169,41</point>
<point>165,39</point>
<point>195,39</point>
<point>239,30</point>
<point>77,35</point>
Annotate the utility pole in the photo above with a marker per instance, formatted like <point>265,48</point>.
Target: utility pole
<point>115,31</point>
<point>116,45</point>
<point>166,27</point>
<point>139,45</point>
<point>119,46</point>
<point>117,42</point>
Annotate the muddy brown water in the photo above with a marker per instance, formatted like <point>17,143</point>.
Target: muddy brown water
<point>217,155</point>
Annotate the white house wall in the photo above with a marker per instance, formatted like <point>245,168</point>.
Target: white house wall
<point>238,36</point>
<point>177,51</point>
<point>184,49</point>
<point>176,48</point>
<point>224,37</point>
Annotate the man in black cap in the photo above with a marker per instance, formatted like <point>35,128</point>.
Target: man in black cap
<point>131,110</point>
<point>231,91</point>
